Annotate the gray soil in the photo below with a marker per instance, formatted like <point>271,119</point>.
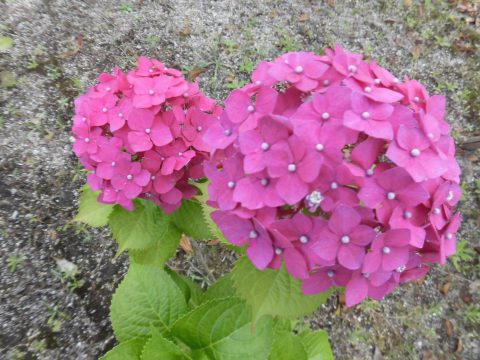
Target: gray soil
<point>59,47</point>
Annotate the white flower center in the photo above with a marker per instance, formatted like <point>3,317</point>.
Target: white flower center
<point>365,115</point>
<point>129,177</point>
<point>227,132</point>
<point>319,147</point>
<point>298,69</point>
<point>415,152</point>
<point>352,68</point>
<point>250,108</point>
<point>153,177</point>
<point>87,140</point>
<point>416,99</point>
<point>407,214</point>
<point>436,211</point>
<point>326,82</point>
<point>104,109</point>
<point>147,130</point>
<point>391,196</point>
<point>253,234</point>
<point>199,128</point>
<point>377,81</point>
<point>292,167</point>
<point>264,182</point>
<point>334,185</point>
<point>114,163</point>
<point>369,172</point>
<point>367,89</point>
<point>449,236</point>
<point>304,239</point>
<point>264,146</point>
<point>386,250</point>
<point>185,95</point>
<point>345,239</point>
<point>120,115</point>
<point>450,195</point>
<point>231,184</point>
<point>401,269</point>
<point>325,116</point>
<point>330,273</point>
<point>258,82</point>
<point>278,251</point>
<point>151,91</point>
<point>108,89</point>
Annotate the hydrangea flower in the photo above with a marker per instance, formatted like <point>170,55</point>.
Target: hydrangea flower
<point>141,135</point>
<point>334,168</point>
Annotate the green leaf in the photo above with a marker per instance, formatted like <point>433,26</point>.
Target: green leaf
<point>164,248</point>
<point>223,288</point>
<point>90,211</point>
<point>140,228</point>
<point>207,210</point>
<point>159,348</point>
<point>146,297</point>
<point>129,350</point>
<point>191,291</point>
<point>287,346</point>
<point>222,330</point>
<point>317,345</point>
<point>5,43</point>
<point>189,219</point>
<point>273,292</point>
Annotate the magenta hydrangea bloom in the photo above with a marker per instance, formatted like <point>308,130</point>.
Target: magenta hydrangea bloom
<point>334,168</point>
<point>141,135</point>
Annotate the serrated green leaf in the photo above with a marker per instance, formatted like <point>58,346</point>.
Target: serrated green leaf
<point>206,211</point>
<point>287,346</point>
<point>222,330</point>
<point>223,288</point>
<point>5,43</point>
<point>159,348</point>
<point>164,248</point>
<point>146,298</point>
<point>189,219</point>
<point>317,345</point>
<point>273,292</point>
<point>140,228</point>
<point>90,211</point>
<point>128,350</point>
<point>191,291</point>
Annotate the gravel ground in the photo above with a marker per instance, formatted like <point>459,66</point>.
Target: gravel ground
<point>59,47</point>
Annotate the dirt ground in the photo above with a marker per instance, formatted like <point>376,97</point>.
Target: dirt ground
<point>58,49</point>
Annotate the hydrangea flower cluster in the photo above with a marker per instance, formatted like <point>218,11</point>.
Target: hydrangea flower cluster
<point>141,135</point>
<point>336,168</point>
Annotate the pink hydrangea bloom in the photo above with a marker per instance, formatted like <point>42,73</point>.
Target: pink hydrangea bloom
<point>131,131</point>
<point>334,168</point>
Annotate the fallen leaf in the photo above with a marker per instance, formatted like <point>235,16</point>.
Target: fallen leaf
<point>213,242</point>
<point>304,17</point>
<point>459,347</point>
<point>273,13</point>
<point>186,31</point>
<point>331,3</point>
<point>446,288</point>
<point>416,52</point>
<point>79,41</point>
<point>472,157</point>
<point>341,299</point>
<point>407,3</point>
<point>186,245</point>
<point>448,328</point>
<point>196,72</point>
